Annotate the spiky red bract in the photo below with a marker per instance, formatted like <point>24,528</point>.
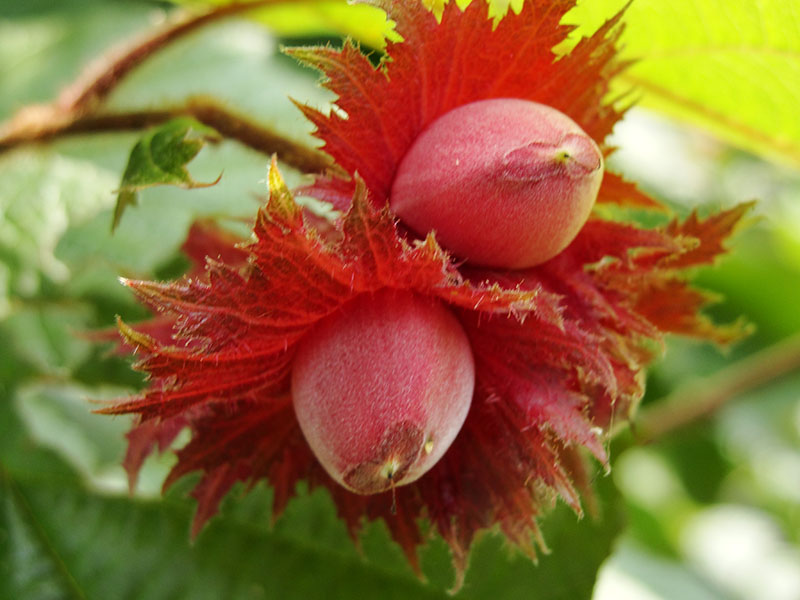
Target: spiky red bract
<point>440,66</point>
<point>559,348</point>
<point>205,239</point>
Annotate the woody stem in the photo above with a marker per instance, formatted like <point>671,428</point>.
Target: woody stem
<point>100,78</point>
<point>700,398</point>
<point>78,108</point>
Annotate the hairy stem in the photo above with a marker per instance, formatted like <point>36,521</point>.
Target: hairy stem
<point>233,126</point>
<point>700,398</point>
<point>209,112</point>
<point>78,108</point>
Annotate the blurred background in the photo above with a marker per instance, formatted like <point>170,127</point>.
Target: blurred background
<point>708,511</point>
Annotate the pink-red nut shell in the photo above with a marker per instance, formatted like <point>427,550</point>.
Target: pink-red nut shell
<point>382,388</point>
<point>504,182</point>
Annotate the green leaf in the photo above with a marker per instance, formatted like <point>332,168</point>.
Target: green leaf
<point>41,196</point>
<point>44,337</point>
<point>160,158</point>
<point>327,18</point>
<point>28,567</point>
<point>56,536</point>
<point>73,544</point>
<point>568,572</point>
<point>732,68</point>
<point>60,417</point>
<point>86,544</point>
<point>364,23</point>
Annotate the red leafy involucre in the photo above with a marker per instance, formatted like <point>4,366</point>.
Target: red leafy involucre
<point>558,348</point>
<point>440,66</point>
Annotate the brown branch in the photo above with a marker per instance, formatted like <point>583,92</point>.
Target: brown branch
<point>77,108</point>
<point>698,399</point>
<point>100,78</point>
<point>233,126</point>
<point>209,112</point>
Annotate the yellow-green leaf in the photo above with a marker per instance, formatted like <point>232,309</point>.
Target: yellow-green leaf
<point>731,67</point>
<point>364,23</point>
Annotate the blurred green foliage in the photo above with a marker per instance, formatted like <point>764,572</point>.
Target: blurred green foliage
<point>68,528</point>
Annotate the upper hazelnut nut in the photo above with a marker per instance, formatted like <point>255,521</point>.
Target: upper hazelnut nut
<point>503,183</point>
